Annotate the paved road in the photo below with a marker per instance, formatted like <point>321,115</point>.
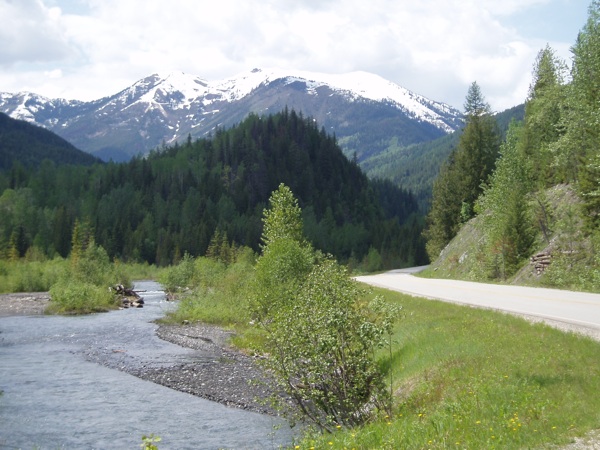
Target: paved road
<point>576,308</point>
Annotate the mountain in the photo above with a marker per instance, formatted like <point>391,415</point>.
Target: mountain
<point>363,110</point>
<point>175,200</point>
<point>30,144</point>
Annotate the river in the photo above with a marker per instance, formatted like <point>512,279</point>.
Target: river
<point>56,394</point>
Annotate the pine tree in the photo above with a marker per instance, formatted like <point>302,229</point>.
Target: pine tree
<point>504,211</point>
<point>543,112</point>
<point>583,137</point>
<point>459,183</point>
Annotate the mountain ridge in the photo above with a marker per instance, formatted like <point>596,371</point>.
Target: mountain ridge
<point>166,108</point>
<point>30,144</point>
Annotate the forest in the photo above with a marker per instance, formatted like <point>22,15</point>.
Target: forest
<point>30,145</point>
<point>157,208</point>
<point>507,183</point>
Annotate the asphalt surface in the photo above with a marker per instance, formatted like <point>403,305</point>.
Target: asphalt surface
<point>579,309</point>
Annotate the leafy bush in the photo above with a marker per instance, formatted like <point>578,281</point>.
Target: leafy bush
<point>77,297</point>
<point>83,287</point>
<point>321,346</point>
<point>207,272</point>
<point>179,277</point>
<point>320,335</point>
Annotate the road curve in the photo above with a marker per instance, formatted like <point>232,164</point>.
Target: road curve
<point>579,309</point>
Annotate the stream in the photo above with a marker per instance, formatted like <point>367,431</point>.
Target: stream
<point>62,387</point>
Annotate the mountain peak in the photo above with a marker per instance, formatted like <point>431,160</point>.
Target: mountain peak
<point>169,106</point>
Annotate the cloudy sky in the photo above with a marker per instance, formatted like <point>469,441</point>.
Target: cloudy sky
<point>88,49</point>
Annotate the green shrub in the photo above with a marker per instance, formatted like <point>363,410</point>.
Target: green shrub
<point>220,296</point>
<point>207,272</point>
<point>77,297</point>
<point>30,276</point>
<point>179,277</point>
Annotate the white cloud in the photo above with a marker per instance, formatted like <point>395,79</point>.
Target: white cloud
<point>31,33</point>
<point>434,47</point>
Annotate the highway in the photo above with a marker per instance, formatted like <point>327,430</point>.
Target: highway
<point>577,309</point>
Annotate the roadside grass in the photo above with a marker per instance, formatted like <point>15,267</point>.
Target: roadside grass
<point>461,377</point>
<point>472,378</point>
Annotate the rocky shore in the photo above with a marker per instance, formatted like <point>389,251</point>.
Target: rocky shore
<point>223,375</point>
<point>23,303</point>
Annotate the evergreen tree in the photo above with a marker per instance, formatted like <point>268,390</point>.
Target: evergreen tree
<point>503,208</point>
<point>459,183</point>
<point>581,143</point>
<point>543,112</point>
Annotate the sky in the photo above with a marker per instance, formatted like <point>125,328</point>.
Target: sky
<point>89,49</point>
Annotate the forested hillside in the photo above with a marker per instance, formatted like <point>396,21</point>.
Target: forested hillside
<point>177,199</point>
<point>30,145</point>
<point>555,149</point>
<point>415,167</point>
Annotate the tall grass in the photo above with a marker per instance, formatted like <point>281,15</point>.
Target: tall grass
<point>219,296</point>
<point>30,276</point>
<point>76,286</point>
<point>472,378</point>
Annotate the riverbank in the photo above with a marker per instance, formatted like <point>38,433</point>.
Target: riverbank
<point>223,375</point>
<point>23,303</point>
<point>220,373</point>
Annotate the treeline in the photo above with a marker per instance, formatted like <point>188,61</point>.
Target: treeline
<point>505,182</point>
<point>157,208</point>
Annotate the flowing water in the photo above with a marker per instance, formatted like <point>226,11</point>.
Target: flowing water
<point>57,396</point>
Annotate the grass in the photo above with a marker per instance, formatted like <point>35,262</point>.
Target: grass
<point>30,276</point>
<point>461,377</point>
<point>74,289</point>
<point>473,378</point>
<point>219,294</point>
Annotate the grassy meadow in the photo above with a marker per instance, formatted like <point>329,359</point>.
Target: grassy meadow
<point>470,378</point>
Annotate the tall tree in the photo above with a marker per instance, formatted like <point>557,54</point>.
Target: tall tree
<point>459,183</point>
<point>582,139</point>
<point>503,208</point>
<point>543,111</point>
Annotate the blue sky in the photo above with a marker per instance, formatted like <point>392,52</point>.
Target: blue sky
<point>88,49</point>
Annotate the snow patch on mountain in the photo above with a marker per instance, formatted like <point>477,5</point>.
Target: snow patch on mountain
<point>354,85</point>
<point>178,90</point>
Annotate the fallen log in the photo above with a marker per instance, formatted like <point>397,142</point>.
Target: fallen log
<point>129,297</point>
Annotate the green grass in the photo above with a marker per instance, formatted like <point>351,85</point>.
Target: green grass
<point>76,297</point>
<point>461,377</point>
<point>471,378</point>
<point>219,296</point>
<point>79,289</point>
<point>30,276</point>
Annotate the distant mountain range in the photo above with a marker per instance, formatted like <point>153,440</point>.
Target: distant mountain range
<point>366,112</point>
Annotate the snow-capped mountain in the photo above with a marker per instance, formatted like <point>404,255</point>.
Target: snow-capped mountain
<point>364,110</point>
